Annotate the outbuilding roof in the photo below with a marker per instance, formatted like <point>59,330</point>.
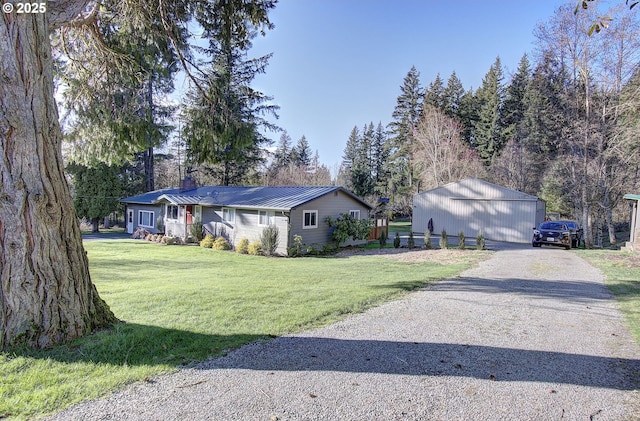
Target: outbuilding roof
<point>631,196</point>
<point>282,198</point>
<point>477,189</point>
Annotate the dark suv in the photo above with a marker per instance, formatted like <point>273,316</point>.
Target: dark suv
<point>552,233</point>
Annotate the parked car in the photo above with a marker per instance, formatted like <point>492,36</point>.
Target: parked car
<point>552,233</point>
<point>575,231</point>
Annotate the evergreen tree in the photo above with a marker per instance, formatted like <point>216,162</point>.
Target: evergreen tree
<point>434,95</point>
<point>405,118</point>
<point>468,114</point>
<point>514,103</point>
<point>380,155</point>
<point>115,106</point>
<point>224,114</point>
<point>97,190</point>
<point>350,154</point>
<point>301,153</point>
<point>282,156</point>
<point>452,96</point>
<point>489,134</point>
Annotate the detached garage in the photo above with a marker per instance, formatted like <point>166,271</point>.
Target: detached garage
<point>473,205</point>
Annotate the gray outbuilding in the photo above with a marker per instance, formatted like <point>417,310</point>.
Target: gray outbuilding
<point>473,205</point>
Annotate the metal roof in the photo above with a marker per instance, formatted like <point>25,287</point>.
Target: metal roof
<point>272,198</point>
<point>477,189</point>
<point>631,196</point>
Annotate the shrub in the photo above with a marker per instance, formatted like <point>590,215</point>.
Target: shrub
<point>254,248</point>
<point>221,244</point>
<point>243,246</point>
<point>196,230</point>
<point>207,241</point>
<point>298,248</point>
<point>461,244</point>
<point>427,239</point>
<point>269,240</point>
<point>444,241</point>
<point>346,227</point>
<point>383,238</point>
<point>412,241</point>
<point>396,240</point>
<point>480,243</point>
<point>167,240</point>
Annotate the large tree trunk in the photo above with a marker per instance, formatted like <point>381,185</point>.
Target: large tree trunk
<point>46,294</point>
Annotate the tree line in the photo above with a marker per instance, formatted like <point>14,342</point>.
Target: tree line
<point>564,127</point>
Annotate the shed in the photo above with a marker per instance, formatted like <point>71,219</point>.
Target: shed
<point>473,205</point>
<point>634,228</point>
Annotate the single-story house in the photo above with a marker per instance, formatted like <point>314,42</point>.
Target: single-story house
<point>473,205</point>
<point>634,228</point>
<point>243,212</point>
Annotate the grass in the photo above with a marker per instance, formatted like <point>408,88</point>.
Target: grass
<point>185,304</point>
<point>401,225</point>
<point>622,277</point>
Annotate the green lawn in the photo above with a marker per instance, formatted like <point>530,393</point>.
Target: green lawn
<point>400,225</point>
<point>622,272</point>
<point>182,304</point>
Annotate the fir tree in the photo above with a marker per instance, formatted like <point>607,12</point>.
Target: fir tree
<point>301,153</point>
<point>405,118</point>
<point>380,154</point>
<point>488,133</point>
<point>282,155</point>
<point>434,95</point>
<point>452,96</point>
<point>468,114</point>
<point>514,104</point>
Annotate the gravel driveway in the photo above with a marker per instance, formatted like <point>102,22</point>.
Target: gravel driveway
<point>530,334</point>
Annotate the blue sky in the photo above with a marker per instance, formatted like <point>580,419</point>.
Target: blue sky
<point>340,63</point>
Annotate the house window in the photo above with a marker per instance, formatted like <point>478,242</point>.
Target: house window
<point>266,217</point>
<point>172,212</point>
<point>310,219</point>
<point>145,219</point>
<point>229,215</point>
<point>355,214</point>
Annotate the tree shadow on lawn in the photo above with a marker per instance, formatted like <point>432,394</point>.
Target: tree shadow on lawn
<point>130,344</point>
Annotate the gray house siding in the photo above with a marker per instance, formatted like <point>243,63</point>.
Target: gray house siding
<point>474,206</point>
<point>245,225</point>
<point>333,204</point>
<point>147,224</point>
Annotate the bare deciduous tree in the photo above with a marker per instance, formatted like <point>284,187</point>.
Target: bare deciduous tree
<point>439,152</point>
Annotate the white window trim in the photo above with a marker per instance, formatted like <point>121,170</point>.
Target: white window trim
<point>269,215</point>
<point>356,212</point>
<point>152,218</point>
<point>232,212</point>
<point>307,227</point>
<point>178,212</point>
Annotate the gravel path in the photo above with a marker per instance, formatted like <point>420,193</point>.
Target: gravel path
<point>530,334</point>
